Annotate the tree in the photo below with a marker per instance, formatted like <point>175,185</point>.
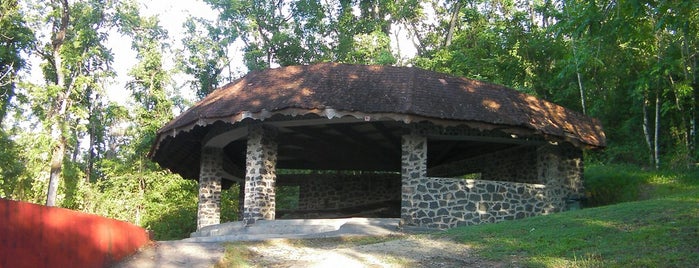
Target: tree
<point>16,37</point>
<point>206,54</point>
<point>154,107</point>
<point>76,61</point>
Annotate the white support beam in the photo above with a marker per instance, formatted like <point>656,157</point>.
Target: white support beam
<point>224,138</point>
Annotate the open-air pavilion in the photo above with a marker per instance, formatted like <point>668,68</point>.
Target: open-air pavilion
<point>434,150</point>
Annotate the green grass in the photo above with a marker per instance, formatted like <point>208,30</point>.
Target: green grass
<point>236,255</point>
<point>662,231</point>
<point>343,242</point>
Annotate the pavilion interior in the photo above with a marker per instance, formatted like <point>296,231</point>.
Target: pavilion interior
<point>316,148</point>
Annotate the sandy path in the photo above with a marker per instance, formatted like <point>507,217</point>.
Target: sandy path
<point>403,251</point>
<point>170,254</point>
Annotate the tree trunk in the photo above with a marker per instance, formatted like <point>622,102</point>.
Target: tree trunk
<point>92,140</point>
<point>693,121</point>
<point>141,196</point>
<point>656,156</point>
<point>579,78</point>
<point>56,163</point>
<point>646,129</point>
<point>57,117</point>
<point>452,23</point>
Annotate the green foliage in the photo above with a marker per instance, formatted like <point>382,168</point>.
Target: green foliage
<point>290,33</point>
<point>230,204</point>
<point>15,39</point>
<point>611,184</point>
<point>171,207</point>
<point>287,197</point>
<point>24,171</point>
<point>206,53</point>
<point>372,48</point>
<point>72,185</point>
<point>605,185</point>
<point>654,233</point>
<point>10,166</point>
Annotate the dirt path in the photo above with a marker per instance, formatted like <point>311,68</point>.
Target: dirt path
<point>407,251</point>
<point>393,251</point>
<point>172,254</point>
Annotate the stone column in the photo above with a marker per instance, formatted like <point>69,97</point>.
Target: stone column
<point>413,173</point>
<point>560,168</point>
<point>260,174</point>
<point>209,211</point>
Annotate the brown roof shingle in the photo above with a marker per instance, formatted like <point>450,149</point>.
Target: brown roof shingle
<point>385,89</point>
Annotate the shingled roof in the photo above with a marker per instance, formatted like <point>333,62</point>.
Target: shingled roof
<point>403,93</point>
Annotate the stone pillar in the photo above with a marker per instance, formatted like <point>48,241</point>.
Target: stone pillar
<point>260,174</point>
<point>241,200</point>
<point>209,211</point>
<point>560,168</point>
<point>413,173</point>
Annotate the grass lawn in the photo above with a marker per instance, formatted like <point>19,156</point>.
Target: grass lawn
<point>659,232</point>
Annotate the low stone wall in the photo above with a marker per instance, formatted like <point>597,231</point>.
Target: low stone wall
<point>433,202</point>
<point>448,202</point>
<point>337,191</point>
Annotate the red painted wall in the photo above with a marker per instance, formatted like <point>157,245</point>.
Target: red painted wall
<point>38,236</point>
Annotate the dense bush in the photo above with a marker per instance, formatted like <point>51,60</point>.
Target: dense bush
<point>610,184</point>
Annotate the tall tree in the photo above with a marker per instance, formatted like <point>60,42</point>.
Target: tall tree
<point>59,108</point>
<point>76,63</point>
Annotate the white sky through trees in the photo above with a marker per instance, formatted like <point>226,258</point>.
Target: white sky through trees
<point>172,15</point>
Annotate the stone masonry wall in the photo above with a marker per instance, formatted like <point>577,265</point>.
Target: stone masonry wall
<point>260,174</point>
<point>336,191</point>
<point>450,202</point>
<point>209,210</point>
<point>561,167</point>
<point>518,163</point>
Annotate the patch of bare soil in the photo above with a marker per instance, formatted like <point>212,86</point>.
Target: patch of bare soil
<point>405,251</point>
<point>174,254</point>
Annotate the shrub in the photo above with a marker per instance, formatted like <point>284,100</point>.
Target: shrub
<point>611,184</point>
